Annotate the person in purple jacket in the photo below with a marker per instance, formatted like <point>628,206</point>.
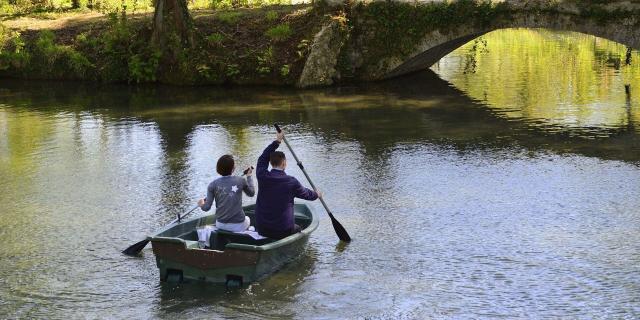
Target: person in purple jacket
<point>276,191</point>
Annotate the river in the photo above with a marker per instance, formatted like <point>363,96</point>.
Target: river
<point>502,182</point>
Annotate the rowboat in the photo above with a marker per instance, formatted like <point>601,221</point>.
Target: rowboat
<point>231,258</point>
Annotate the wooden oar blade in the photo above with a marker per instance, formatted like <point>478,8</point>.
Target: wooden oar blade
<point>339,229</point>
<point>135,249</point>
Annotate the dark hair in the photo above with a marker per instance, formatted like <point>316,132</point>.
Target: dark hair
<point>225,165</point>
<point>276,158</point>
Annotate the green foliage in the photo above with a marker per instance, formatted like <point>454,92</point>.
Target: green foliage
<point>117,39</point>
<point>303,48</point>
<point>204,71</point>
<point>229,4</point>
<point>284,70</point>
<point>122,55</point>
<point>265,60</point>
<point>229,17</point>
<point>271,15</point>
<point>118,50</point>
<point>77,61</point>
<point>232,70</point>
<point>117,45</point>
<point>42,7</point>
<point>84,40</point>
<point>279,33</point>
<point>602,15</point>
<point>399,26</point>
<point>215,38</point>
<point>12,53</point>
<point>6,35</point>
<point>50,9</point>
<point>49,60</point>
<point>263,70</point>
<point>144,67</point>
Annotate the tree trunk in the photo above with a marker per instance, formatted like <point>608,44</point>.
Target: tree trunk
<point>171,17</point>
<point>75,4</point>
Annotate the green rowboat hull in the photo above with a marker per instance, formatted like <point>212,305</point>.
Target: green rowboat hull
<point>179,257</point>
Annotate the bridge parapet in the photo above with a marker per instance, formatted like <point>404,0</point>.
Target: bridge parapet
<point>388,39</point>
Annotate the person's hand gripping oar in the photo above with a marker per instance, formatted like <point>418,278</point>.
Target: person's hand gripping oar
<point>135,249</point>
<point>340,230</point>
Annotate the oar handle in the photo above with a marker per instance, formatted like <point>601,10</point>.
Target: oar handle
<point>244,173</point>
<point>179,218</point>
<point>301,166</point>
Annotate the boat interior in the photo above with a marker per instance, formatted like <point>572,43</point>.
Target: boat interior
<point>220,238</point>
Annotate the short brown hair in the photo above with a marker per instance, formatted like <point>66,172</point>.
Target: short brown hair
<point>276,158</point>
<point>225,165</point>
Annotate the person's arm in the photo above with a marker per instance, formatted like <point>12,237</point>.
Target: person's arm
<point>210,196</point>
<point>263,160</point>
<point>303,193</point>
<point>249,189</point>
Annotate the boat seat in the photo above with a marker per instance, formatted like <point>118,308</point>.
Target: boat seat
<point>191,244</point>
<point>220,239</point>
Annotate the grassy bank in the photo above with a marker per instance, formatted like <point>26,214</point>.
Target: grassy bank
<point>265,45</point>
<point>236,43</point>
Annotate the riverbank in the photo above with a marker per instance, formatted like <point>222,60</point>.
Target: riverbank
<point>284,45</point>
<point>265,45</point>
<point>289,45</point>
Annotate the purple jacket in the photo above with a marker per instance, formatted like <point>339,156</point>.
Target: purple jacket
<point>276,190</point>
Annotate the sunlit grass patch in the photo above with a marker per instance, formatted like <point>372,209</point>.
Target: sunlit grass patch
<point>271,15</point>
<point>280,32</point>
<point>215,38</point>
<point>229,17</point>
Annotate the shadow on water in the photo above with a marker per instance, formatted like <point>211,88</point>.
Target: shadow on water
<point>420,108</point>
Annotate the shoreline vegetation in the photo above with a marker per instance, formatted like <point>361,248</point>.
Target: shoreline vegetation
<point>265,44</point>
<point>238,42</point>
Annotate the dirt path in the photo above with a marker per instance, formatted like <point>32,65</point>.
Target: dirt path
<point>57,22</point>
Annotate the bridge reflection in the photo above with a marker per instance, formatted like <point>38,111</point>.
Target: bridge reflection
<point>420,108</point>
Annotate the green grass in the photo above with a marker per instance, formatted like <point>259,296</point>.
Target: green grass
<point>117,49</point>
<point>215,38</point>
<point>229,17</point>
<point>271,15</point>
<point>53,9</point>
<point>279,33</point>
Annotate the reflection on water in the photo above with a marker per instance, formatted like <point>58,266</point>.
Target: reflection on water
<point>554,79</point>
<point>458,209</point>
<point>273,298</point>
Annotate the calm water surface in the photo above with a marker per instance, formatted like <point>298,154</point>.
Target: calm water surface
<point>488,188</point>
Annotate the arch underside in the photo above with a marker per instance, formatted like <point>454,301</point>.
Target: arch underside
<point>424,58</point>
<point>429,57</point>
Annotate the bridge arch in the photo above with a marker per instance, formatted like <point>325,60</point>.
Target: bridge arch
<point>387,39</point>
<point>436,45</point>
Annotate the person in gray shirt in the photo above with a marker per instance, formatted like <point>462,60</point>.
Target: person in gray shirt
<point>226,191</point>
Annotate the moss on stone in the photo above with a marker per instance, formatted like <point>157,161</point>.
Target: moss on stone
<point>394,29</point>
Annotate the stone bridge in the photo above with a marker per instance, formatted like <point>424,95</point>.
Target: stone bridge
<point>379,40</point>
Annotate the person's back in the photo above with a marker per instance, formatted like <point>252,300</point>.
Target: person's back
<point>226,191</point>
<point>276,191</point>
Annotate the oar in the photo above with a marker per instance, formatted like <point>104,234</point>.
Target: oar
<point>135,249</point>
<point>340,230</point>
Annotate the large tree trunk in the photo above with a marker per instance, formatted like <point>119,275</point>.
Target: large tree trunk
<point>171,17</point>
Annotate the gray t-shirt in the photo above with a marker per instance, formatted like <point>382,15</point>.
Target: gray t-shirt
<point>227,192</point>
